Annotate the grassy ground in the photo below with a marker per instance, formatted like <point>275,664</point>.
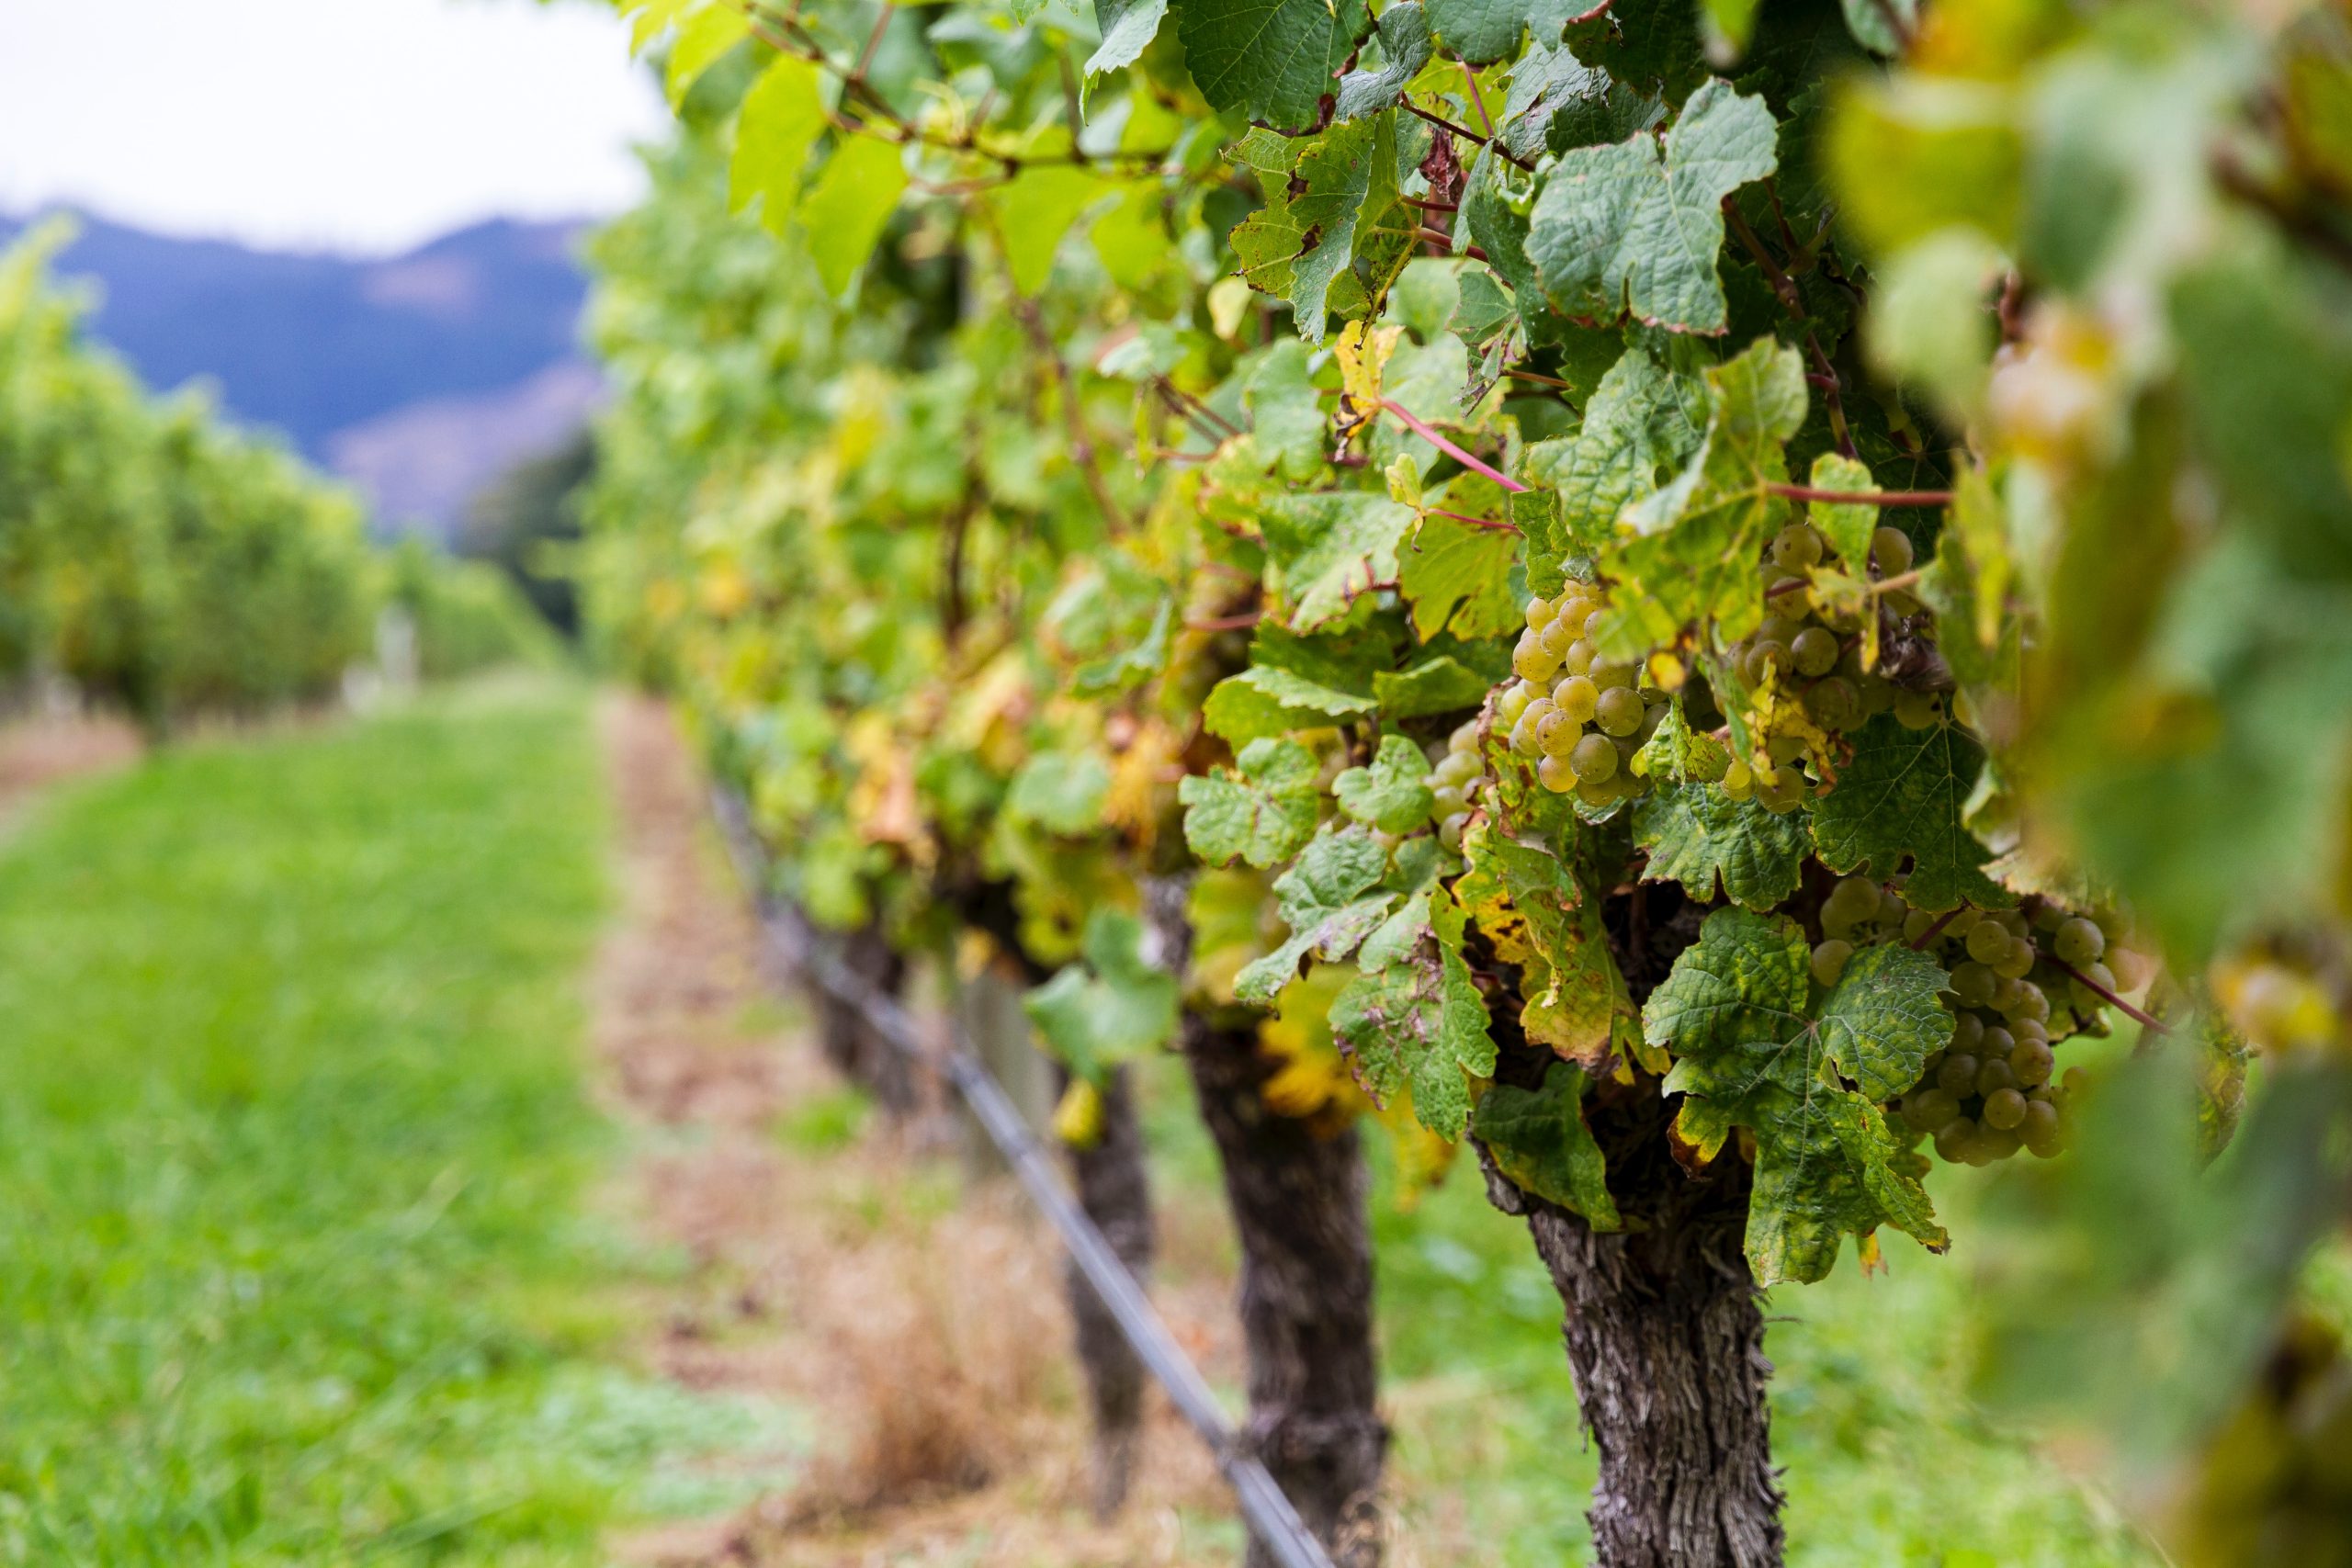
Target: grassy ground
<point>291,1121</point>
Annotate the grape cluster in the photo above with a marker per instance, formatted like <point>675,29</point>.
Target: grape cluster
<point>1996,1087</point>
<point>1578,718</point>
<point>1457,778</point>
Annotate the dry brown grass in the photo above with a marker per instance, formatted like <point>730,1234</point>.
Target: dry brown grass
<point>921,1322</point>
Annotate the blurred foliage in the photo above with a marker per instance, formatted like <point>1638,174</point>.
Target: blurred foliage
<point>527,524</point>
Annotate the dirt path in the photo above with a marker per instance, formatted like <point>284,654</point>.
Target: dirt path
<point>38,753</point>
<point>918,1322</point>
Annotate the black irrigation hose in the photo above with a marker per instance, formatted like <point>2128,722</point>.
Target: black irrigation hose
<point>1271,1517</point>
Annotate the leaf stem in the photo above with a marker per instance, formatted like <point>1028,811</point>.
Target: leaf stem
<point>1942,921</point>
<point>2145,1021</point>
<point>1467,134</point>
<point>1412,422</point>
<point>1472,522</point>
<point>1862,497</point>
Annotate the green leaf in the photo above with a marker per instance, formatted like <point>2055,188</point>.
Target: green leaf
<point>1698,540</point>
<point>1113,1008</point>
<point>1440,683</point>
<point>1034,214</point>
<point>702,38</point>
<point>1062,792</point>
<point>845,211</point>
<point>1527,901</point>
<point>1675,754</point>
<point>1285,410</point>
<point>1478,31</point>
<point>1268,59</point>
<point>1414,1021</point>
<point>1127,28</point>
<point>1557,102</point>
<point>776,130</point>
<point>1874,24</point>
<point>1638,226</point>
<point>1457,578</point>
<point>1405,40</point>
<point>1329,548</point>
<point>1752,1052</point>
<point>1331,235</point>
<point>1900,798</point>
<point>1539,1140</point>
<point>1260,813</point>
<point>1392,793</point>
<point>1696,834</point>
<point>1264,701</point>
<point>1331,900</point>
<point>1648,413</point>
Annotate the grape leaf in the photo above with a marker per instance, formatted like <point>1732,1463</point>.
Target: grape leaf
<point>1405,39</point>
<point>1752,1052</point>
<point>1330,546</point>
<point>776,130</point>
<point>1111,1008</point>
<point>1034,214</point>
<point>1637,225</point>
<point>1440,683</point>
<point>1127,28</point>
<point>702,38</point>
<point>1392,793</point>
<point>1260,813</point>
<point>1264,700</point>
<point>1901,796</point>
<point>1457,579</point>
<point>1698,540</point>
<point>1062,791</point>
<point>1269,59</point>
<point>1539,1140</point>
<point>1696,834</point>
<point>1557,102</point>
<point>1478,31</point>
<point>1285,410</point>
<point>845,212</point>
<point>1414,1021</point>
<point>1883,27</point>
<point>1647,413</point>
<point>1331,235</point>
<point>1324,901</point>
<point>1526,901</point>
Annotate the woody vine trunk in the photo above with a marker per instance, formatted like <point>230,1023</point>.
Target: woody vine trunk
<point>1297,1194</point>
<point>851,1046</point>
<point>1663,1326</point>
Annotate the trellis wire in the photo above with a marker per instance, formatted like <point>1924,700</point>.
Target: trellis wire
<point>806,952</point>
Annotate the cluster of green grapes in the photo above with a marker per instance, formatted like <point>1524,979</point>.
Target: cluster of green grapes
<point>2017,989</point>
<point>1457,778</point>
<point>1563,687</point>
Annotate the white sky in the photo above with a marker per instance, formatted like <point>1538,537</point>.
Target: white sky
<point>364,126</point>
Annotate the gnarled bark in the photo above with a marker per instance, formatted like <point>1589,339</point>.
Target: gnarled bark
<point>1115,1188</point>
<point>1298,1195</point>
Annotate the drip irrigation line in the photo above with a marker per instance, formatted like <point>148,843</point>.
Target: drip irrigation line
<point>806,952</point>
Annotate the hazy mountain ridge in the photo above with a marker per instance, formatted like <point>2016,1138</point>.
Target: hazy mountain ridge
<point>335,350</point>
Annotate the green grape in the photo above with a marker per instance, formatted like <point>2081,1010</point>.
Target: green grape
<point>1917,924</point>
<point>2027,1028</point>
<point>1784,748</point>
<point>1988,944</point>
<point>2018,962</point>
<point>1967,1032</point>
<point>1608,676</point>
<point>1738,781</point>
<point>2004,1109</point>
<point>1956,1141</point>
<point>1997,1144</point>
<point>1891,552</point>
<point>2078,942</point>
<point>1963,921</point>
<point>1512,702</point>
<point>1556,734</point>
<point>1853,900</point>
<point>1958,1075</point>
<point>1829,961</point>
<point>1556,637</point>
<point>1993,1075</point>
<point>2114,925</point>
<point>1449,832</point>
<point>1796,547</point>
<point>2046,916</point>
<point>1555,774</point>
<point>2009,920</point>
<point>1619,711</point>
<point>1531,662</point>
<point>1973,983</point>
<point>1791,596</point>
<point>1578,659</point>
<point>1445,800</point>
<point>1652,717</point>
<point>1594,759</point>
<point>1593,623</point>
<point>1915,710</point>
<point>1928,1109</point>
<point>2033,1062</point>
<point>1995,1041</point>
<point>1776,628</point>
<point>1596,793</point>
<point>1522,734</point>
<point>1763,658</point>
<point>1464,738</point>
<point>2031,1001</point>
<point>2085,999</point>
<point>1877,693</point>
<point>2073,1081</point>
<point>1782,793</point>
<point>1455,767</point>
<point>2040,1129</point>
<point>1834,703</point>
<point>1577,697</point>
<point>1815,650</point>
<point>1540,613</point>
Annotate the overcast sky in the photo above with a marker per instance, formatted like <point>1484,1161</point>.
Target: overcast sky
<point>354,125</point>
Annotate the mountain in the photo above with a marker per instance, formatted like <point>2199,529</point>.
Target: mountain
<point>419,378</point>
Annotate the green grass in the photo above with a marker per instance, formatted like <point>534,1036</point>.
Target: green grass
<point>293,1151</point>
<point>1887,1460</point>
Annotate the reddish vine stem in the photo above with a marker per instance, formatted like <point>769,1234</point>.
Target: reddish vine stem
<point>1538,378</point>
<point>1942,921</point>
<point>1439,237</point>
<point>1593,15</point>
<point>1413,422</point>
<point>1862,497</point>
<point>1467,134</point>
<point>1473,521</point>
<point>2145,1020</point>
<point>1477,99</point>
